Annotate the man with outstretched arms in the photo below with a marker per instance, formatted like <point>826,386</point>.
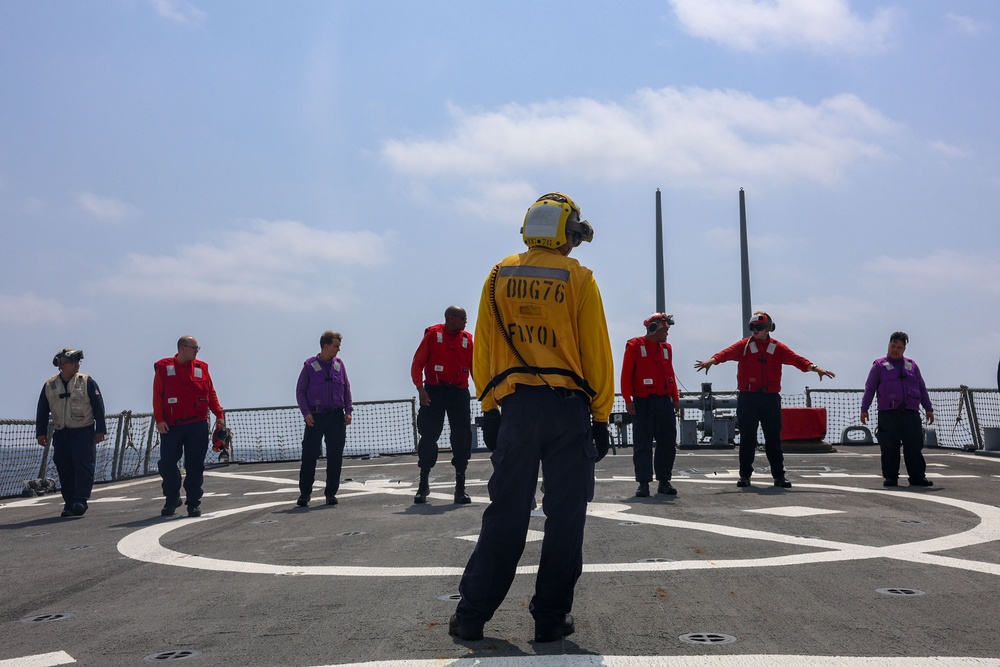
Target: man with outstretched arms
<point>650,392</point>
<point>77,409</point>
<point>543,357</point>
<point>440,372</point>
<point>758,401</point>
<point>183,395</point>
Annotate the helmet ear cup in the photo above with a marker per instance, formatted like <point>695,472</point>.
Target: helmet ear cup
<point>67,354</point>
<point>658,321</point>
<point>760,317</point>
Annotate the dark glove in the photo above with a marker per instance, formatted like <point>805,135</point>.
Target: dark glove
<point>602,438</point>
<point>491,428</point>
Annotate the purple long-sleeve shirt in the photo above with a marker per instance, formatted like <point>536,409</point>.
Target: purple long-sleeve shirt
<point>899,386</point>
<point>323,386</point>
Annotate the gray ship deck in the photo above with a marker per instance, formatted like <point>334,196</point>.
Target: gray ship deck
<point>835,571</point>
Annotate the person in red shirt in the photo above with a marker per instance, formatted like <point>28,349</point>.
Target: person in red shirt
<point>183,395</point>
<point>758,402</point>
<point>650,392</point>
<point>440,372</point>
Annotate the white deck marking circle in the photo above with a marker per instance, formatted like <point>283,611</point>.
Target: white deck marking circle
<point>144,544</point>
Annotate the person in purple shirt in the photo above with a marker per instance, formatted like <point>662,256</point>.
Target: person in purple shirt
<point>901,392</point>
<point>323,394</point>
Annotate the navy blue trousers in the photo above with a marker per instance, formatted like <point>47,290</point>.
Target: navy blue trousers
<point>539,425</point>
<point>755,409</point>
<point>191,441</point>
<point>329,425</point>
<point>453,402</point>
<point>75,455</point>
<point>901,428</point>
<point>654,419</point>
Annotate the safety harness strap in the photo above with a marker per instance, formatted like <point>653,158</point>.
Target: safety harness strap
<point>534,370</point>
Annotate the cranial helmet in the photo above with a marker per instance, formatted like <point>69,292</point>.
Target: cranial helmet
<point>67,354</point>
<point>553,221</point>
<point>657,321</point>
<point>760,317</point>
<point>222,438</point>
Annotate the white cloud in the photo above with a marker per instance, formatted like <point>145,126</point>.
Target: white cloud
<point>967,24</point>
<point>497,200</point>
<point>104,208</point>
<point>29,309</point>
<point>283,265</point>
<point>691,136</point>
<point>812,25</point>
<point>178,10</point>
<point>948,149</point>
<point>943,272</point>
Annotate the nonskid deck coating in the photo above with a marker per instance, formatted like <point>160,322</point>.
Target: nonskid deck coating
<point>258,581</point>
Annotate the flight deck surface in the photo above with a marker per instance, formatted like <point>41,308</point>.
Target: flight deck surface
<point>834,571</point>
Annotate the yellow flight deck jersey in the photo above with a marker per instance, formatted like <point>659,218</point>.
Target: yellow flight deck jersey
<point>553,313</point>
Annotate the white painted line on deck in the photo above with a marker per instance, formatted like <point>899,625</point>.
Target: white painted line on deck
<point>101,488</point>
<point>841,475</point>
<point>40,660</point>
<point>848,475</point>
<point>34,500</point>
<point>290,489</point>
<point>971,457</point>
<point>144,544</point>
<point>251,478</point>
<point>794,511</point>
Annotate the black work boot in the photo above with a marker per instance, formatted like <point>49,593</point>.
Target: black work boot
<point>170,507</point>
<point>545,634</point>
<point>461,497</point>
<point>466,632</point>
<point>424,488</point>
<point>666,488</point>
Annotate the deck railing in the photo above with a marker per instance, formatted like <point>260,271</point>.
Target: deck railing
<point>380,428</point>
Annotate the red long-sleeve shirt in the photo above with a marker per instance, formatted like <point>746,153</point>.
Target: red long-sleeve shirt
<point>760,363</point>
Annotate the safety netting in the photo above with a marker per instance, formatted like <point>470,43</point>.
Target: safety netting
<point>965,418</point>
<point>960,415</point>
<point>21,457</point>
<point>275,434</point>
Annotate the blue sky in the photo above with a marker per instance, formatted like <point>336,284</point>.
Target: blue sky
<point>253,173</point>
